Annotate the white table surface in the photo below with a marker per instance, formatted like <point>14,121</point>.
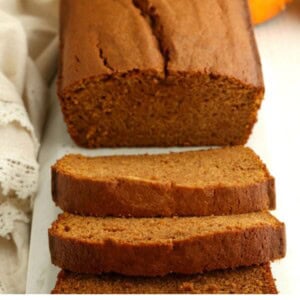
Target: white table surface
<point>275,138</point>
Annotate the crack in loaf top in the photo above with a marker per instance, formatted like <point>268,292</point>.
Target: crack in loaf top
<point>103,37</point>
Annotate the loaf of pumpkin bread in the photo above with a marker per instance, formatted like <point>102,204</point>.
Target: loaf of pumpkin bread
<point>244,280</point>
<point>159,246</point>
<point>158,73</point>
<point>231,180</point>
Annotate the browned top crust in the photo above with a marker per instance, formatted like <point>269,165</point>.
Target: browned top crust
<point>104,37</point>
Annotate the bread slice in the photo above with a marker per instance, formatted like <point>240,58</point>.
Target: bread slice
<point>244,280</point>
<point>158,246</point>
<point>231,180</point>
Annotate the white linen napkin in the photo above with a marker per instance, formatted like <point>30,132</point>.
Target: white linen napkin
<point>28,50</point>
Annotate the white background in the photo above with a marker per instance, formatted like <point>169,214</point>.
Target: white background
<point>275,138</point>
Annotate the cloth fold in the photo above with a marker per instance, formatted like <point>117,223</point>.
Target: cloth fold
<point>28,51</point>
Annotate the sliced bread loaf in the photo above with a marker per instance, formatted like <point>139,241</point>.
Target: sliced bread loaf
<point>158,246</point>
<point>197,183</point>
<point>244,280</point>
<point>158,73</point>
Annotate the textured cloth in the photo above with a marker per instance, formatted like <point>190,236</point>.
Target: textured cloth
<point>28,50</point>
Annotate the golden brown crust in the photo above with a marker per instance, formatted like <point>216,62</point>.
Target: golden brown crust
<point>245,280</point>
<point>221,250</point>
<point>90,46</point>
<point>87,28</point>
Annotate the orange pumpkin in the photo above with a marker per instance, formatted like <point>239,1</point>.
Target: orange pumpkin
<point>263,10</point>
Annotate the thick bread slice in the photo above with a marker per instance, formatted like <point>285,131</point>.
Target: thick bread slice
<point>244,280</point>
<point>158,246</point>
<point>198,183</point>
